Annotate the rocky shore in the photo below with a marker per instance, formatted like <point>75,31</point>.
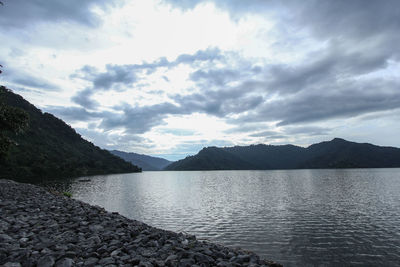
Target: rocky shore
<point>39,228</point>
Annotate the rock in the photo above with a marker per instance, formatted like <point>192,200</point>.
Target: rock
<point>96,228</point>
<point>91,261</point>
<point>115,252</point>
<point>12,264</point>
<point>106,261</point>
<point>5,238</point>
<point>171,258</point>
<point>66,262</point>
<point>46,261</point>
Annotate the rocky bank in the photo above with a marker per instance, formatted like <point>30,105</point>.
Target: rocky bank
<point>39,228</point>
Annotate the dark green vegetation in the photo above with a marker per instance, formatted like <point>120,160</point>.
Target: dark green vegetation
<point>147,163</point>
<point>12,121</point>
<point>67,194</point>
<point>337,153</point>
<point>49,148</point>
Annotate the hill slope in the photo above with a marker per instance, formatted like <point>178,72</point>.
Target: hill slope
<point>49,148</point>
<point>211,158</point>
<point>337,153</point>
<point>147,163</point>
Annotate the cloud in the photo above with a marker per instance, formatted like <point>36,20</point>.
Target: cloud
<point>83,98</point>
<point>114,75</point>
<point>35,82</point>
<point>242,92</point>
<point>21,78</point>
<point>307,130</point>
<point>139,119</point>
<point>115,141</point>
<point>121,77</point>
<point>21,13</point>
<point>74,114</point>
<point>266,134</point>
<point>342,100</point>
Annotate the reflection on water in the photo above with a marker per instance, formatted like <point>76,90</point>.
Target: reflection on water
<point>295,217</point>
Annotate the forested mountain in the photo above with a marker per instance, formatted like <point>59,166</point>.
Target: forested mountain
<point>147,163</point>
<point>337,153</point>
<point>49,148</point>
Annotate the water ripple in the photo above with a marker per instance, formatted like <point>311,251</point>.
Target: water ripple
<point>297,217</point>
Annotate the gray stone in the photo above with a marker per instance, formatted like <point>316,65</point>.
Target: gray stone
<point>5,238</point>
<point>66,262</point>
<point>106,261</point>
<point>91,261</point>
<point>171,258</point>
<point>46,261</point>
<point>12,264</point>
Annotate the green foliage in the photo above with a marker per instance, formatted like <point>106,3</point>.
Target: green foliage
<point>49,148</point>
<point>67,194</point>
<point>12,121</point>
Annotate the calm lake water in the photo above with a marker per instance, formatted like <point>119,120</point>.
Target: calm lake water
<point>295,217</point>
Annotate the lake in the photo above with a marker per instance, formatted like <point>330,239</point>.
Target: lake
<point>294,217</point>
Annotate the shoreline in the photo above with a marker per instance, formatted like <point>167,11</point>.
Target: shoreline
<point>39,228</point>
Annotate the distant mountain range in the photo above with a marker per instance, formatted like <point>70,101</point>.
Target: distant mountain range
<point>49,148</point>
<point>337,153</point>
<point>147,163</point>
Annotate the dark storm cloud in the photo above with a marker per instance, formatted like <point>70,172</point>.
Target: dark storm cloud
<point>22,13</point>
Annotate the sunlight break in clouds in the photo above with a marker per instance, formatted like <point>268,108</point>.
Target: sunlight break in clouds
<point>170,77</point>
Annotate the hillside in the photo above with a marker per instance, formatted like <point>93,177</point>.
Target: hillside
<point>211,158</point>
<point>49,148</point>
<point>337,153</point>
<point>145,162</point>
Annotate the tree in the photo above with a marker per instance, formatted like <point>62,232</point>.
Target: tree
<point>12,121</point>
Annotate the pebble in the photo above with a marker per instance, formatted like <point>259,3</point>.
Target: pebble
<point>43,229</point>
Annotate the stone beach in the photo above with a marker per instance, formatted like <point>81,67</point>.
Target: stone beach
<point>40,228</point>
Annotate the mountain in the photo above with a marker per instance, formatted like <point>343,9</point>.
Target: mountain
<point>337,153</point>
<point>49,148</point>
<point>147,163</point>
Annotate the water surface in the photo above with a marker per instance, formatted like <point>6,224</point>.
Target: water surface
<point>295,217</point>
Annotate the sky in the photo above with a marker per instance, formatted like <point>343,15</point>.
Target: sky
<point>167,78</point>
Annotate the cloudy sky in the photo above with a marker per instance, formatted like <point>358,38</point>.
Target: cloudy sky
<point>167,78</point>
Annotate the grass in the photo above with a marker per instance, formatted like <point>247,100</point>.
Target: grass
<point>67,194</point>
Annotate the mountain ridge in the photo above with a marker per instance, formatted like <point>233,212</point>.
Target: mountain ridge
<point>146,162</point>
<point>337,153</point>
